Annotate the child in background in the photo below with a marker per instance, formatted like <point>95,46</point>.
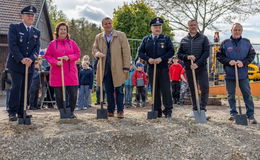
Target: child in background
<point>184,87</point>
<point>129,87</point>
<point>34,88</point>
<point>86,58</point>
<point>6,85</point>
<point>175,78</point>
<point>140,81</point>
<point>85,85</point>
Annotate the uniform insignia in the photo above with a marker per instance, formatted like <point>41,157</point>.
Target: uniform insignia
<point>21,39</point>
<point>35,36</point>
<point>21,33</point>
<point>230,49</point>
<point>162,45</point>
<point>157,20</point>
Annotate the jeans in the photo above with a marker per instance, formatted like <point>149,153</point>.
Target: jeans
<point>245,89</point>
<point>113,99</point>
<point>183,91</point>
<point>128,94</point>
<point>203,83</point>
<point>83,98</point>
<point>8,91</point>
<point>34,93</point>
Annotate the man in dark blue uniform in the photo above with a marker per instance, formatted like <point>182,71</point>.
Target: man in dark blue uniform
<point>157,49</point>
<point>24,44</point>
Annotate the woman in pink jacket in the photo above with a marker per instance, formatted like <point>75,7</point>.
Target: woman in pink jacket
<point>63,48</point>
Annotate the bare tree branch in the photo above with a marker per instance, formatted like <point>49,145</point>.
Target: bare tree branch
<point>206,12</point>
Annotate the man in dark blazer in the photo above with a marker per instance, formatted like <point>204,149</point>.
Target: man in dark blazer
<point>24,44</point>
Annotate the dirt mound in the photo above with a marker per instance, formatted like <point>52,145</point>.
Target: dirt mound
<point>131,138</point>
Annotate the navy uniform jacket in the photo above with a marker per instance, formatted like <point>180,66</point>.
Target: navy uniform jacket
<point>236,49</point>
<point>161,47</point>
<point>22,44</point>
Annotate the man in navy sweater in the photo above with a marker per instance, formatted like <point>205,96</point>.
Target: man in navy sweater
<point>237,51</point>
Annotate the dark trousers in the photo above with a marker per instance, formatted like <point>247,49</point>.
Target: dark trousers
<point>111,97</point>
<point>34,93</point>
<point>140,93</point>
<point>162,88</point>
<point>176,87</point>
<point>203,82</point>
<point>71,91</point>
<point>98,93</point>
<point>16,99</point>
<point>50,93</point>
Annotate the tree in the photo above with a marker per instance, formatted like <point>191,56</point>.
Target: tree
<point>134,18</point>
<point>84,34</point>
<point>56,16</point>
<point>206,12</point>
<point>80,30</point>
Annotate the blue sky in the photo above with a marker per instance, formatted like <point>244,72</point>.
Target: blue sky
<point>95,10</point>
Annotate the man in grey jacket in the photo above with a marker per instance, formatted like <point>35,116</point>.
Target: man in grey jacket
<point>195,47</point>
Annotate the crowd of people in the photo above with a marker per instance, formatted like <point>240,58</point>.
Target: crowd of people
<point>118,74</point>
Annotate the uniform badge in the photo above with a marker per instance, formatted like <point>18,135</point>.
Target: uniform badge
<point>21,39</point>
<point>162,45</point>
<point>35,36</point>
<point>230,49</point>
<point>31,9</point>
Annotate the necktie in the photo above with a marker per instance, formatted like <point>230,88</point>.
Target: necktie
<point>28,29</point>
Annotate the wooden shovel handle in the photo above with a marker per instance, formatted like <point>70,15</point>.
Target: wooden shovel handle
<point>195,87</point>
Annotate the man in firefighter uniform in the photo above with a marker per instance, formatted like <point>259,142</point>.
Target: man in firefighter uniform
<point>157,49</point>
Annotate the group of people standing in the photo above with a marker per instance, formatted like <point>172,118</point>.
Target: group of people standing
<point>112,51</point>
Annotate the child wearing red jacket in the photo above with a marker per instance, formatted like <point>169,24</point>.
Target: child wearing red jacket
<point>139,80</point>
<point>175,73</point>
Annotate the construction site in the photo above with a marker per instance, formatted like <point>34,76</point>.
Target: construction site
<point>136,137</point>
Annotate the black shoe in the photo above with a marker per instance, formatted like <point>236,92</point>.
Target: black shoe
<point>252,120</point>
<point>104,102</point>
<point>231,118</point>
<point>73,116</point>
<point>168,115</point>
<point>98,103</point>
<point>89,106</point>
<point>33,108</point>
<point>12,118</point>
<point>159,114</point>
<point>50,106</point>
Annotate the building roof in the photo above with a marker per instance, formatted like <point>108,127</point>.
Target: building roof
<point>10,12</point>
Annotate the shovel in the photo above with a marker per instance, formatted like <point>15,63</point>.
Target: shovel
<point>200,116</point>
<point>240,119</point>
<point>64,111</point>
<point>153,114</point>
<point>26,119</point>
<point>101,113</point>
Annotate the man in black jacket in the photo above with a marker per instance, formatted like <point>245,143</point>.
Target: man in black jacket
<point>195,47</point>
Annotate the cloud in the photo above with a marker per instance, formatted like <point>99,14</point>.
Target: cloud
<point>91,13</point>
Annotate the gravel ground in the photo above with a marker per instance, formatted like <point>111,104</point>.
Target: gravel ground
<point>49,138</point>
